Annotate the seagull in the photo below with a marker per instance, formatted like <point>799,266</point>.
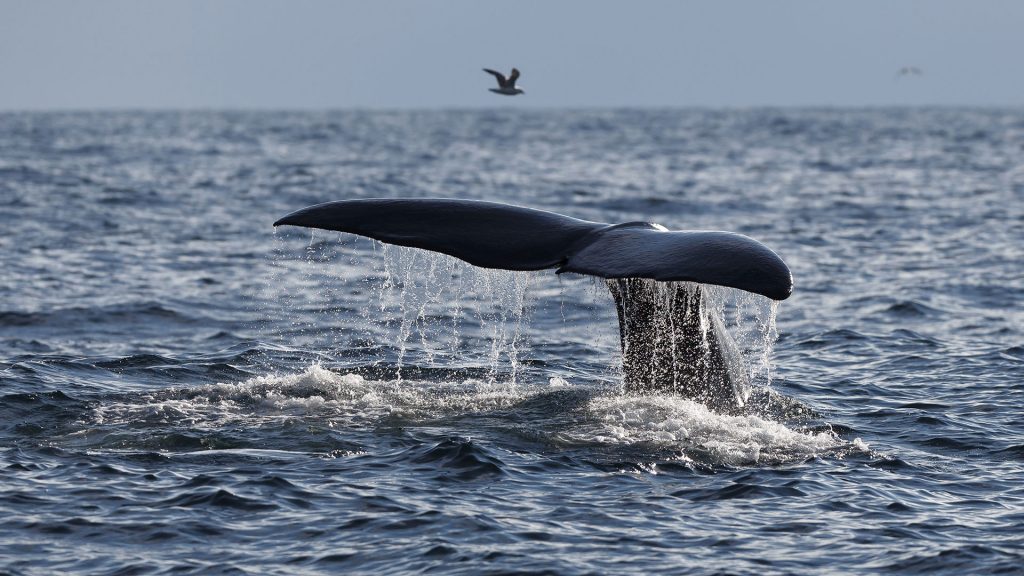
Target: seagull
<point>506,86</point>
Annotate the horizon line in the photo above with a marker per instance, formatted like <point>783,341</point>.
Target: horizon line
<point>505,108</point>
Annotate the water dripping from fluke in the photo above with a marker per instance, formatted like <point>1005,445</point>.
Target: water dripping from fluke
<point>666,285</point>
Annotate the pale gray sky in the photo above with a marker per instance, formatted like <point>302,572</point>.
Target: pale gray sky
<point>60,54</point>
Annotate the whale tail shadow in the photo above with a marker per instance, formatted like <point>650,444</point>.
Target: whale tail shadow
<point>670,340</point>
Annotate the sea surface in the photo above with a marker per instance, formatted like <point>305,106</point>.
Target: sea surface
<point>186,390</point>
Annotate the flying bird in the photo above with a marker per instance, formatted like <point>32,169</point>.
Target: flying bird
<point>909,71</point>
<point>506,86</point>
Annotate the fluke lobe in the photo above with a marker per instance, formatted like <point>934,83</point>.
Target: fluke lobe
<point>671,340</point>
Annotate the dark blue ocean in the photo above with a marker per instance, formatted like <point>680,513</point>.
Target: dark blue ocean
<point>184,389</point>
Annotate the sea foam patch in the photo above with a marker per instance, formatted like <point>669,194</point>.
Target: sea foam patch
<point>593,416</point>
<point>675,422</point>
<point>314,392</point>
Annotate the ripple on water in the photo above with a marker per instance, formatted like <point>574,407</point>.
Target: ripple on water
<point>159,412</point>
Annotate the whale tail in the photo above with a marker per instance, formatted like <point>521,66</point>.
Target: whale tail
<point>494,235</point>
<point>673,342</point>
<point>670,340</point>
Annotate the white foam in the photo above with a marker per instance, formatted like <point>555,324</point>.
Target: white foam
<point>557,382</point>
<point>351,401</point>
<point>689,426</point>
<point>316,391</point>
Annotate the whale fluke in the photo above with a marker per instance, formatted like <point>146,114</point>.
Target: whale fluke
<point>495,235</point>
<point>485,234</point>
<point>671,340</point>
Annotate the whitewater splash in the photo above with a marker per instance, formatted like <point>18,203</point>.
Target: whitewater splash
<point>556,416</point>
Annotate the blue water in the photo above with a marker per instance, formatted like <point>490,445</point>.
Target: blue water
<point>185,390</point>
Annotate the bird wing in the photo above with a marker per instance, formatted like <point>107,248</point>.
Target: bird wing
<point>513,77</point>
<point>501,77</point>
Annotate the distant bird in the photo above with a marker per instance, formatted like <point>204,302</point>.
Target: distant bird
<point>506,86</point>
<point>909,71</point>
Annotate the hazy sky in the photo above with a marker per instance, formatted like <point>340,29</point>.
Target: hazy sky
<point>573,53</point>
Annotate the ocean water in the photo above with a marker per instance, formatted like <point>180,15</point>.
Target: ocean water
<point>184,389</point>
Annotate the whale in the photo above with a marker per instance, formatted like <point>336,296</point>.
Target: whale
<point>672,340</point>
